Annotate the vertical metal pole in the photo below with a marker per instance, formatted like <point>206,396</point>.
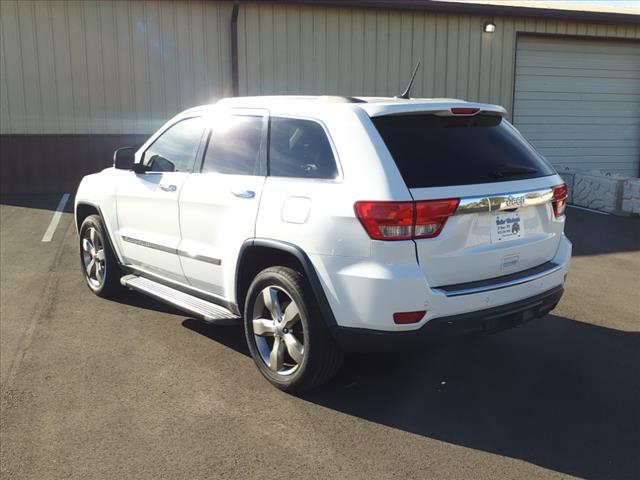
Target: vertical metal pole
<point>235,80</point>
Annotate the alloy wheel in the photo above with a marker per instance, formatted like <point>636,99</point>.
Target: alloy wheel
<point>278,330</point>
<point>93,257</point>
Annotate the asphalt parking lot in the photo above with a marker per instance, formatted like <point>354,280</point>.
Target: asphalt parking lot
<point>133,389</point>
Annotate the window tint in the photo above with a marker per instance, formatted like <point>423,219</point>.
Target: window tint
<point>176,149</point>
<point>300,148</point>
<point>234,145</point>
<point>432,151</point>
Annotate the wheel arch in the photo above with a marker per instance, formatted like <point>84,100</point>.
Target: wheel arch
<point>82,211</point>
<point>257,254</point>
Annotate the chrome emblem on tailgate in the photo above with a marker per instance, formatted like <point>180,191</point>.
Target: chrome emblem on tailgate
<point>512,201</point>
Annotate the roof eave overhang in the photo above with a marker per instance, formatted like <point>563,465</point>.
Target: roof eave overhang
<point>474,8</point>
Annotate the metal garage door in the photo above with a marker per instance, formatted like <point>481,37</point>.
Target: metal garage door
<point>578,101</point>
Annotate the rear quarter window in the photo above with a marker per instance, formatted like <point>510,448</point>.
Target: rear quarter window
<point>300,148</point>
<point>434,151</point>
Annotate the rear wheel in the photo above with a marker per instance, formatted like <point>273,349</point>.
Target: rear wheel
<point>99,264</point>
<point>287,338</point>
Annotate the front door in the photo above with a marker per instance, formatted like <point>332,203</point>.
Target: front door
<point>147,203</point>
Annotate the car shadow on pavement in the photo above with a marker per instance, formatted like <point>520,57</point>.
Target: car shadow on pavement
<point>557,393</point>
<point>229,336</point>
<point>139,300</point>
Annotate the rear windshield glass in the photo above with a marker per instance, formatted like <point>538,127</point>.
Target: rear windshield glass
<point>432,151</point>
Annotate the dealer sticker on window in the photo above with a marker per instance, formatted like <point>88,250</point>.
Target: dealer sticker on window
<point>506,226</point>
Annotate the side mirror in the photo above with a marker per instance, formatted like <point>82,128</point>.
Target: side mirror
<point>124,158</point>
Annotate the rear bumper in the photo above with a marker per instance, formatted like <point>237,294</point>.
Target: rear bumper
<point>365,293</point>
<point>489,320</point>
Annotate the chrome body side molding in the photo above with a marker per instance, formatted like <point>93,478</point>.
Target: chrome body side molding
<point>144,243</point>
<point>196,256</point>
<point>163,248</point>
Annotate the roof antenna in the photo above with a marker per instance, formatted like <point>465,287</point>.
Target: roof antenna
<point>405,94</point>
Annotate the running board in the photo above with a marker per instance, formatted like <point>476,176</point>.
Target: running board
<point>208,311</point>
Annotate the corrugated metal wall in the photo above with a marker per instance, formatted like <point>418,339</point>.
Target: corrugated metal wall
<point>301,49</point>
<point>87,67</point>
<point>80,77</point>
<point>94,67</point>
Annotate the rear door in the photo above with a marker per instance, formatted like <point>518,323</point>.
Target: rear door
<point>147,203</point>
<point>505,221</point>
<point>218,205</point>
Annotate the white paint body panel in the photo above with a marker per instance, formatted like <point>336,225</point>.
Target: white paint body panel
<point>215,223</point>
<point>147,213</point>
<point>365,281</point>
<point>464,252</point>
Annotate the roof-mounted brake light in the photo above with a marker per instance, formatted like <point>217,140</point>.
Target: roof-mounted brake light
<point>464,111</point>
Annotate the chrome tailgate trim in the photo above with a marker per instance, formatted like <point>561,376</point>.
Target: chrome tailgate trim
<point>504,201</point>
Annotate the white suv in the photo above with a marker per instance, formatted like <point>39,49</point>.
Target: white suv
<point>331,224</point>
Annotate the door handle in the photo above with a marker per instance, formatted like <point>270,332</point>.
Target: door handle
<point>168,188</point>
<point>244,193</point>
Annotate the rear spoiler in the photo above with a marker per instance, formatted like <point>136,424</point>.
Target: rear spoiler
<point>440,109</point>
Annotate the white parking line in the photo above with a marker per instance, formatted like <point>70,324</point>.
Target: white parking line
<point>48,235</point>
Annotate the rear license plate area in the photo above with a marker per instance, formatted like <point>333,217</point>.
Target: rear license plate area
<point>506,226</point>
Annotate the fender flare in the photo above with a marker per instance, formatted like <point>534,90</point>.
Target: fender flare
<point>104,224</point>
<point>309,271</point>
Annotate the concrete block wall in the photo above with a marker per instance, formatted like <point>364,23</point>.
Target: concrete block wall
<point>603,191</point>
<point>598,191</point>
<point>631,196</point>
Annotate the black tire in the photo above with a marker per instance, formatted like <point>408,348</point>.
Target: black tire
<point>321,358</point>
<point>108,284</point>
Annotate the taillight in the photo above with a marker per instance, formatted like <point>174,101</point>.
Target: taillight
<point>559,200</point>
<point>386,220</point>
<point>431,215</point>
<point>405,220</point>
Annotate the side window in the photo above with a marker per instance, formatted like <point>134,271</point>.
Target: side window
<point>300,148</point>
<point>176,149</point>
<point>234,145</point>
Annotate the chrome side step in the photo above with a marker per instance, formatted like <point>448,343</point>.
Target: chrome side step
<point>208,311</point>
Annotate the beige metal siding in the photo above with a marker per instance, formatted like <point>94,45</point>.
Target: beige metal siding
<point>351,51</point>
<point>578,101</point>
<point>90,66</point>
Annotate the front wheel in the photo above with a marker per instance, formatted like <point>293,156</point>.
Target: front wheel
<point>99,264</point>
<point>287,338</point>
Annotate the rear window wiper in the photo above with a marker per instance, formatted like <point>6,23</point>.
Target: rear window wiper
<point>511,169</point>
